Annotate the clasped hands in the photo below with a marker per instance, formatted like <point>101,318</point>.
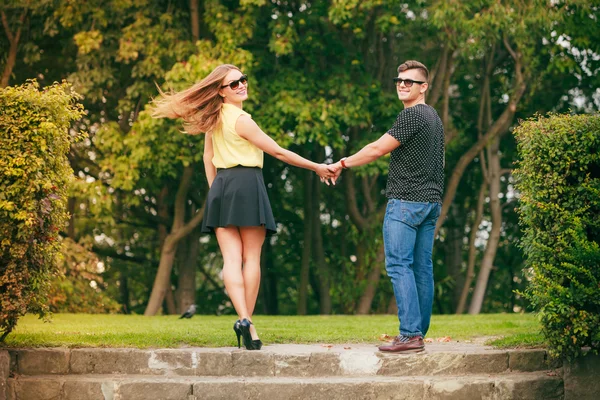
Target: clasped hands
<point>329,173</point>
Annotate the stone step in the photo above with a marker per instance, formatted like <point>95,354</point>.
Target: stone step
<point>277,360</point>
<point>525,385</point>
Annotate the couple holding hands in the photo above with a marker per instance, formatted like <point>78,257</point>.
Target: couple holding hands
<point>238,211</point>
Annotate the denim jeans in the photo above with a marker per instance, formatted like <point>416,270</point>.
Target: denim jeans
<point>408,230</point>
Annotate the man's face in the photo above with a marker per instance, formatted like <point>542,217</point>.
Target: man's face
<point>406,93</point>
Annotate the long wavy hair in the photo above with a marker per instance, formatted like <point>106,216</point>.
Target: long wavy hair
<point>199,106</point>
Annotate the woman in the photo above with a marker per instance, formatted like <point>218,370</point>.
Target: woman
<point>237,208</point>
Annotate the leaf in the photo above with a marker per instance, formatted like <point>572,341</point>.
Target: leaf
<point>384,337</point>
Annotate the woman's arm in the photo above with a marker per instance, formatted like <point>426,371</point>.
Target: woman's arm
<point>249,130</point>
<point>209,167</point>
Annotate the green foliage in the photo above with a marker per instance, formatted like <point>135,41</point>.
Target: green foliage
<point>79,287</point>
<point>319,85</point>
<point>559,181</point>
<point>34,179</point>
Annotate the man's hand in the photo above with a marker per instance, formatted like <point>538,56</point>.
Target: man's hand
<point>336,170</point>
<point>325,174</point>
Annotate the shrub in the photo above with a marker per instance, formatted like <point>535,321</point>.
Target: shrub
<point>558,178</point>
<point>79,287</point>
<point>34,178</point>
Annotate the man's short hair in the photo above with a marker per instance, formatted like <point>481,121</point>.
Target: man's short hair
<point>412,64</point>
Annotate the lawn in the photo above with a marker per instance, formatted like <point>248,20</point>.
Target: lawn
<point>86,330</point>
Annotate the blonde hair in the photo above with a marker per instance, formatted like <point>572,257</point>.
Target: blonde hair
<point>199,106</point>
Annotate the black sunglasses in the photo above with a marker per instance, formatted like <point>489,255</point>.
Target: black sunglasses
<point>407,82</point>
<point>236,84</point>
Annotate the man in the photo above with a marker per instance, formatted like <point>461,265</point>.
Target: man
<point>414,189</point>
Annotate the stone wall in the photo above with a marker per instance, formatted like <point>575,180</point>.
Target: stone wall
<point>582,378</point>
<point>4,371</point>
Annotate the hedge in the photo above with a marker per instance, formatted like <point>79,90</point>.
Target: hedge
<point>34,178</point>
<point>558,178</point>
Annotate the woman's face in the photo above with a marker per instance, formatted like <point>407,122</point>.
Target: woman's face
<point>234,88</point>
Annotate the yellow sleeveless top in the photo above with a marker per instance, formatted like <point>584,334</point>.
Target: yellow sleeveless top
<point>230,149</point>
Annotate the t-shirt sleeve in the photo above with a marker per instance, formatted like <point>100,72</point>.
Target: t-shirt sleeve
<point>409,122</point>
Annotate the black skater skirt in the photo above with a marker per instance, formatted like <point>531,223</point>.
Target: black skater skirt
<point>238,197</point>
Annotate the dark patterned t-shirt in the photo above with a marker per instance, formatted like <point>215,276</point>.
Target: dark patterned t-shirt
<point>416,170</point>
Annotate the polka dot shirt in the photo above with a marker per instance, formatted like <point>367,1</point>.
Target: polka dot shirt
<point>416,171</point>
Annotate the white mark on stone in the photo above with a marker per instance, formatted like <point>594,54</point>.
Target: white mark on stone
<point>194,360</point>
<point>448,386</point>
<point>108,390</point>
<point>359,363</point>
<point>279,365</point>
<point>155,363</point>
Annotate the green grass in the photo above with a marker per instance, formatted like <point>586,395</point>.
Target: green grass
<point>518,340</point>
<point>85,330</point>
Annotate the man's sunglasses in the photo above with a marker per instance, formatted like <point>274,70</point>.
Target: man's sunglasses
<point>407,82</point>
<point>236,84</point>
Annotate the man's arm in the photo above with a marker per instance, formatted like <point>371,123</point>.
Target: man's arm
<point>371,152</point>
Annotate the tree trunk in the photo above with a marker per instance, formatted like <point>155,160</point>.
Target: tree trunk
<point>162,282</point>
<point>195,19</point>
<point>163,213</point>
<point>319,253</point>
<point>449,131</point>
<point>466,159</point>
<point>170,306</point>
<point>366,300</point>
<point>500,126</point>
<point>470,275</point>
<point>269,281</point>
<point>186,284</point>
<point>493,240</point>
<point>307,250</point>
<point>124,293</point>
<point>484,120</point>
<point>392,306</point>
<point>163,277</point>
<point>13,39</point>
<point>453,245</point>
<point>439,77</point>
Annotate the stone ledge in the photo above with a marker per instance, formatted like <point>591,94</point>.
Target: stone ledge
<point>278,360</point>
<point>107,361</point>
<point>445,364</point>
<point>121,387</point>
<point>43,361</point>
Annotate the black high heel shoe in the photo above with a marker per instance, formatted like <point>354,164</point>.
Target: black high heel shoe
<point>248,342</point>
<point>238,331</point>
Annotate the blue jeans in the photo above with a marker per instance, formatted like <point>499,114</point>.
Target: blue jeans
<point>408,230</point>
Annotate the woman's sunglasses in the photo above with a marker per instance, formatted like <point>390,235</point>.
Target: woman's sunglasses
<point>407,82</point>
<point>236,84</point>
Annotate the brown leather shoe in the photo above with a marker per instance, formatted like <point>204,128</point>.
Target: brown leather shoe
<point>404,344</point>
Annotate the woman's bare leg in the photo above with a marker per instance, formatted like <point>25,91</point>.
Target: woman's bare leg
<point>230,243</point>
<point>253,238</point>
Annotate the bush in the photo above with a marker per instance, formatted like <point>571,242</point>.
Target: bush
<point>34,178</point>
<point>79,288</point>
<point>559,182</point>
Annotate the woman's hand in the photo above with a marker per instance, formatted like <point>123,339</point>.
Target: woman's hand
<point>325,174</point>
<point>336,170</point>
